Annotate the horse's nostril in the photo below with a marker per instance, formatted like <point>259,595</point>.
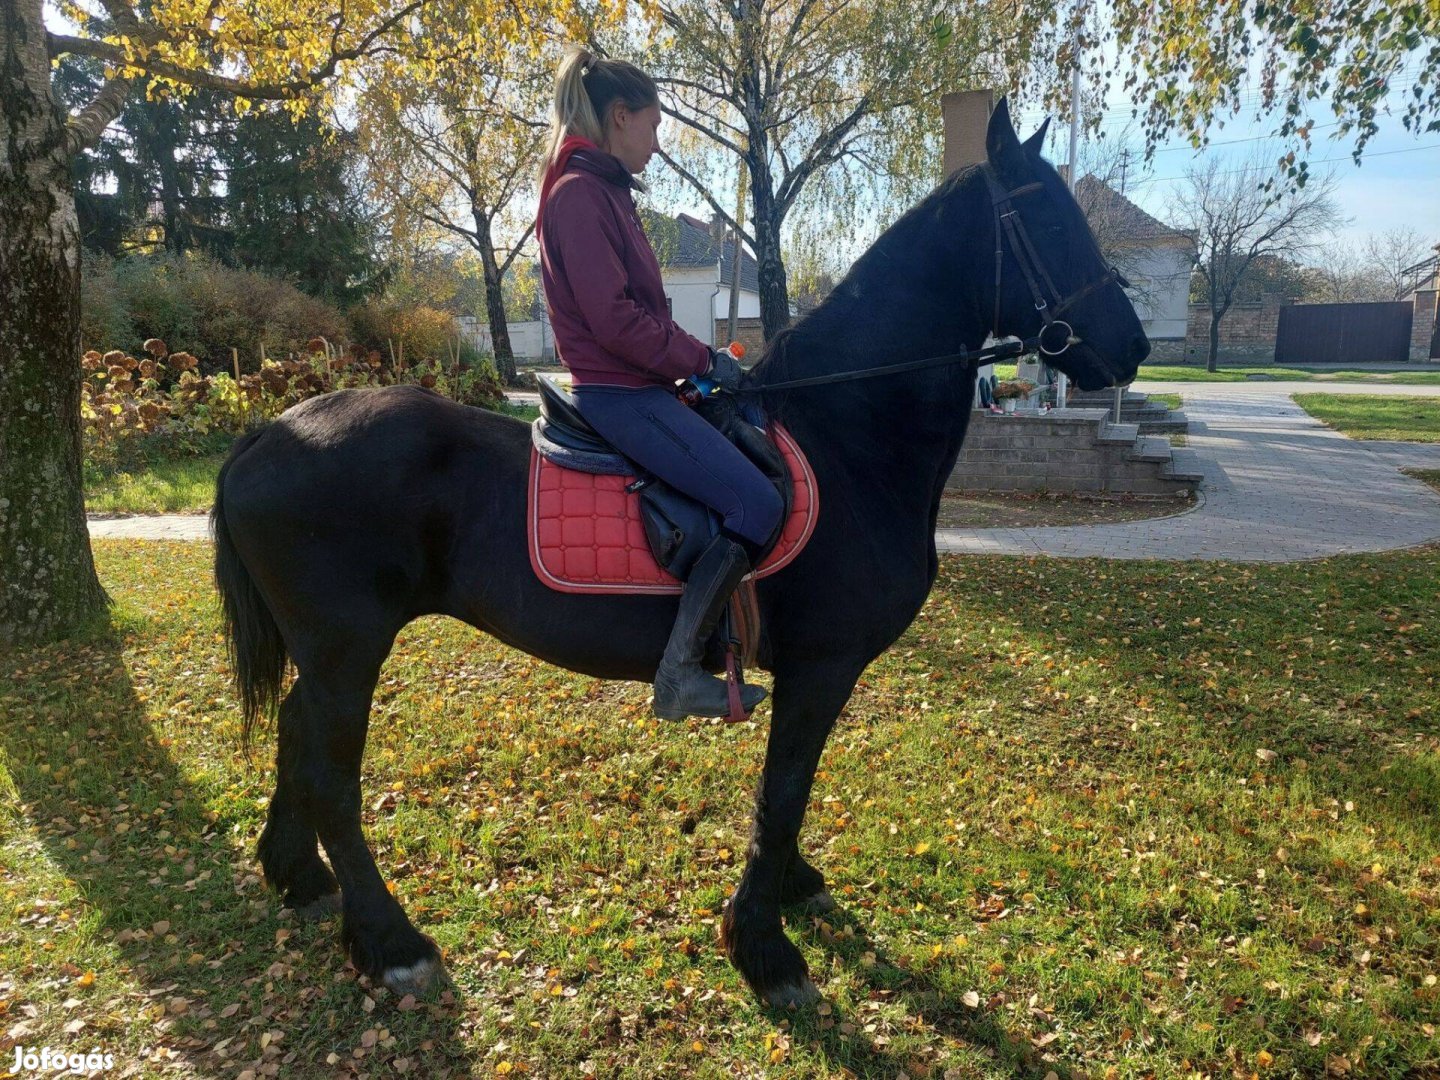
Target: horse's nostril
<point>1139,349</point>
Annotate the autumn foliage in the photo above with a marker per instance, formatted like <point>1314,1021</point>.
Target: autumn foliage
<point>162,396</point>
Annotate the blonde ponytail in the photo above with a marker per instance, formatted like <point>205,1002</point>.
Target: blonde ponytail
<point>586,88</point>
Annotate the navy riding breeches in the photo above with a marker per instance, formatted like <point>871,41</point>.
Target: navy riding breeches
<point>654,429</point>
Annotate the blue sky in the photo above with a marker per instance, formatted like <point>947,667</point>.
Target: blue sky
<point>1396,185</point>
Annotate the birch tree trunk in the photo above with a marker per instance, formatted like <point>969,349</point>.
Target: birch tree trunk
<point>48,585</point>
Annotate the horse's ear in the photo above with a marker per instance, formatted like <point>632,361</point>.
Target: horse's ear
<point>1035,143</point>
<point>1002,145</point>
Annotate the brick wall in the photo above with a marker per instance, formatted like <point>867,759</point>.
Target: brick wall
<point>1247,330</point>
<point>748,332</point>
<point>1060,451</point>
<point>1422,326</point>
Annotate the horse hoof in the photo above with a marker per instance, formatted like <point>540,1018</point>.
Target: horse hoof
<point>796,995</point>
<point>321,908</point>
<point>416,978</point>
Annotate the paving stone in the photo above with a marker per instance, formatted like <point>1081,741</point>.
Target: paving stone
<point>1279,486</point>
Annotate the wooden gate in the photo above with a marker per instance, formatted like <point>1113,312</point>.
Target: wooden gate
<point>1344,333</point>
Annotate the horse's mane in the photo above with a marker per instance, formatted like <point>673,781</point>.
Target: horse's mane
<point>834,319</point>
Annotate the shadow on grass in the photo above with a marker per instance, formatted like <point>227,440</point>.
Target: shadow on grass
<point>195,962</point>
<point>842,1038</point>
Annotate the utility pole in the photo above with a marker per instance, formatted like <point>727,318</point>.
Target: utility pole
<point>1062,387</point>
<point>735,265</point>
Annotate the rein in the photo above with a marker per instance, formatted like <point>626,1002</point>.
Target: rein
<point>1003,351</point>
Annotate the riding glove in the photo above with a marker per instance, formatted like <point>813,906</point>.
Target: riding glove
<point>725,370</point>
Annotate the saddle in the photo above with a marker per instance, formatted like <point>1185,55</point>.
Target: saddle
<point>599,522</point>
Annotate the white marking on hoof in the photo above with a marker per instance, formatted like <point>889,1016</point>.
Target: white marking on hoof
<point>797,995</point>
<point>321,908</point>
<point>415,978</point>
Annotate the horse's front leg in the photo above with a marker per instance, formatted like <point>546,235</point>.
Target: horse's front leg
<point>804,711</point>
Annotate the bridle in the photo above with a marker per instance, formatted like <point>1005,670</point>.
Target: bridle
<point>1056,335</point>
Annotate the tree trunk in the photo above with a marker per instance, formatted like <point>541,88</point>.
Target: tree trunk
<point>48,586</point>
<point>495,305</point>
<point>1212,361</point>
<point>774,295</point>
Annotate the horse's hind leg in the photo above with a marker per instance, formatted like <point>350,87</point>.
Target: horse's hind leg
<point>336,686</point>
<point>287,848</point>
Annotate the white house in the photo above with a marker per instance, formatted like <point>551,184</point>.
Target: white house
<point>1157,259</point>
<point>697,278</point>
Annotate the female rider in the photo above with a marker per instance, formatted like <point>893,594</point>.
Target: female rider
<point>614,333</point>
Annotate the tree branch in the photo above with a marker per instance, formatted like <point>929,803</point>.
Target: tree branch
<point>729,144</point>
<point>818,155</point>
<point>514,251</point>
<point>83,130</point>
<point>701,190</point>
<point>100,50</point>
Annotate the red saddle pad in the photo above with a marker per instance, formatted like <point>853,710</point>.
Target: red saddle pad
<point>586,536</point>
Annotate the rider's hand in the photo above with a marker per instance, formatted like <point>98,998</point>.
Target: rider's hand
<point>725,370</point>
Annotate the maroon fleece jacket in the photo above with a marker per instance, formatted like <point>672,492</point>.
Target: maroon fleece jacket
<point>602,283</point>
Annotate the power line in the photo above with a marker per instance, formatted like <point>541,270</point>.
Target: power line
<point>1321,161</point>
<point>1235,142</point>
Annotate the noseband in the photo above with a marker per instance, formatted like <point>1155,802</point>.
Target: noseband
<point>1056,335</point>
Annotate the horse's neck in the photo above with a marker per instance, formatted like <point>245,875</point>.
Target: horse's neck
<point>903,426</point>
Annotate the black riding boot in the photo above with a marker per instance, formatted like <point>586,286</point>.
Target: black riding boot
<point>682,686</point>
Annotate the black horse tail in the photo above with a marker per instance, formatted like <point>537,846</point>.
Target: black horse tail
<point>252,637</point>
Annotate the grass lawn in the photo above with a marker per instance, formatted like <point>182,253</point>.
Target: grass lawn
<point>1197,373</point>
<point>1430,476</point>
<point>1362,416</point>
<point>1170,401</point>
<point>1141,820</point>
<point>1019,511</point>
<point>169,486</point>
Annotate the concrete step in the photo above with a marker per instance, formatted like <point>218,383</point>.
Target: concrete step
<point>1106,398</point>
<point>1184,465</point>
<point>1065,451</point>
<point>1173,423</point>
<point>1151,448</point>
<point>1119,433</point>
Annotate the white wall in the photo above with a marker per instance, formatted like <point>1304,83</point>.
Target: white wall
<point>690,292</point>
<point>749,304</point>
<point>530,340</point>
<point>1162,294</point>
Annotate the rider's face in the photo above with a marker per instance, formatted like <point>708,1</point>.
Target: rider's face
<point>633,135</point>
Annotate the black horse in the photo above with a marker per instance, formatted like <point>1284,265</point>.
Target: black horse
<point>361,510</point>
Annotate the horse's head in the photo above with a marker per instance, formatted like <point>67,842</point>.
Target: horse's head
<point>1053,280</point>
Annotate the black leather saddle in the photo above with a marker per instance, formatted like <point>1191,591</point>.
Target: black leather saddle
<point>678,527</point>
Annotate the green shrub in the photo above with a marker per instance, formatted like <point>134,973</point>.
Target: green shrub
<point>404,334</point>
<point>201,306</point>
<point>162,405</point>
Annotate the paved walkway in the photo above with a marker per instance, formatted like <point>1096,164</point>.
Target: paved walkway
<point>1279,486</point>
